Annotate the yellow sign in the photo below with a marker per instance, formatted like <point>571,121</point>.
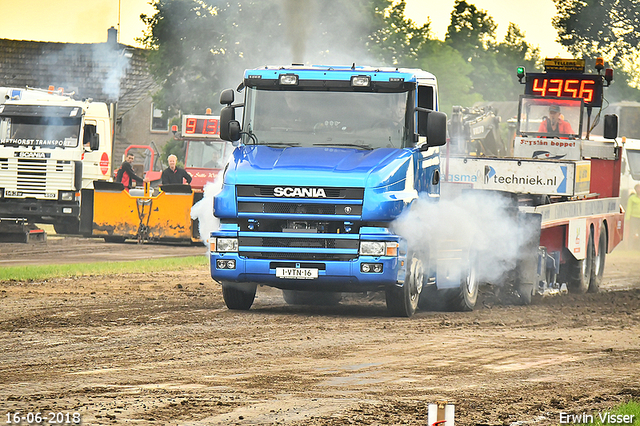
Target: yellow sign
<point>583,177</point>
<point>558,64</point>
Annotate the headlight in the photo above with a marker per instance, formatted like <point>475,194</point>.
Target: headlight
<point>226,244</point>
<point>67,196</point>
<point>379,248</point>
<point>372,248</point>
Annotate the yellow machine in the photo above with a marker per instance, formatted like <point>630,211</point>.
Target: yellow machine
<point>139,214</point>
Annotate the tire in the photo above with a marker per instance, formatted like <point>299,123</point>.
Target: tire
<point>67,227</point>
<point>464,298</point>
<point>114,239</point>
<point>524,293</point>
<point>578,272</point>
<point>597,268</point>
<point>403,302</point>
<point>431,299</point>
<point>315,298</point>
<point>239,296</point>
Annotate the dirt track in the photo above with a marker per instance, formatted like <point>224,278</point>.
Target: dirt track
<point>163,349</point>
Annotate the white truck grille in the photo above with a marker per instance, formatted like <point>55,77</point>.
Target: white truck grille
<point>35,178</point>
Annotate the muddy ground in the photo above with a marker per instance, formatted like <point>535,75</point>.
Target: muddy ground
<point>162,349</point>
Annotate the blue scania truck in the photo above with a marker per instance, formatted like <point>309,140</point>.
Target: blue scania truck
<point>326,159</point>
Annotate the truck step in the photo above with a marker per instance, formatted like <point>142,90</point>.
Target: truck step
<point>18,230</point>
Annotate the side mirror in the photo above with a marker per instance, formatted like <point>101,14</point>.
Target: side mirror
<point>226,97</point>
<point>433,125</point>
<point>437,129</point>
<point>227,115</point>
<point>610,126</point>
<point>91,138</point>
<point>234,130</point>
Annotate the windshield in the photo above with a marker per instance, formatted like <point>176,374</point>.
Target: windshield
<point>550,117</point>
<point>40,131</point>
<point>313,118</point>
<point>207,154</point>
<point>633,156</point>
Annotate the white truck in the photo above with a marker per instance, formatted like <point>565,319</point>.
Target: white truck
<point>51,147</point>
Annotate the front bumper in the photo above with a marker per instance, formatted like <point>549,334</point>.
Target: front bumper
<point>43,211</point>
<point>332,275</point>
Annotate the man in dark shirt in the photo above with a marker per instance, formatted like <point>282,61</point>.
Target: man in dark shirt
<point>174,174</point>
<point>126,175</point>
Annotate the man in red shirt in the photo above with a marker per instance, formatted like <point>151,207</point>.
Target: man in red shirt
<point>555,124</point>
<point>126,175</point>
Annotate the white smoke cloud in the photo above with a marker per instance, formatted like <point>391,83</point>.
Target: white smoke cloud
<point>481,221</point>
<point>203,210</point>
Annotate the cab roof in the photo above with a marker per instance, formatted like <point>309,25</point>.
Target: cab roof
<point>340,73</point>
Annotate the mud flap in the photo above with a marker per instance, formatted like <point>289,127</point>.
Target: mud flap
<point>86,212</point>
<point>528,273</point>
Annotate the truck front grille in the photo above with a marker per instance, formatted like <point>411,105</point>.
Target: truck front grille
<point>35,178</point>
<point>328,243</point>
<point>299,256</point>
<point>255,200</point>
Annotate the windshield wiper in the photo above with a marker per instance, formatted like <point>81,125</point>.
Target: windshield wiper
<point>349,145</point>
<point>280,144</point>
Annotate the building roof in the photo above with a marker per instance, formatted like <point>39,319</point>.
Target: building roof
<point>106,72</point>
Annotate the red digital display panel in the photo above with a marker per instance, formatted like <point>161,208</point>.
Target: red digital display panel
<point>201,126</point>
<point>585,86</point>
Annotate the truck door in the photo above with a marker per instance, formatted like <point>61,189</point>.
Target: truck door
<point>426,162</point>
<point>96,160</point>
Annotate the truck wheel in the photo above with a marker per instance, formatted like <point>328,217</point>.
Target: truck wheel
<point>113,239</point>
<point>597,269</point>
<point>464,298</point>
<point>67,227</point>
<point>239,296</point>
<point>316,298</point>
<point>579,271</point>
<point>524,293</point>
<point>403,302</point>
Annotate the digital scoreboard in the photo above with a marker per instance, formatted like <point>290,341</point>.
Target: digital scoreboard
<point>563,85</point>
<point>200,126</point>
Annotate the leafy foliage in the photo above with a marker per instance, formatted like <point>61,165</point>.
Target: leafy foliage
<point>472,33</point>
<point>607,28</point>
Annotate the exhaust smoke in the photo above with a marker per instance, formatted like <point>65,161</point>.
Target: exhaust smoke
<point>483,223</point>
<point>203,210</point>
<point>296,13</point>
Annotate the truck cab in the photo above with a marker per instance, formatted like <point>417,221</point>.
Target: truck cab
<point>51,147</point>
<point>326,158</point>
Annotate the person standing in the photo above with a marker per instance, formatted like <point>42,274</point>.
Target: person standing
<point>632,219</point>
<point>174,174</point>
<point>126,175</point>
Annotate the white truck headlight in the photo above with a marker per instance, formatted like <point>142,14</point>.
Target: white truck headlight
<point>226,244</point>
<point>372,248</point>
<point>67,195</point>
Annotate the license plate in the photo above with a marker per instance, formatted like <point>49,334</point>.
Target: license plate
<point>297,273</point>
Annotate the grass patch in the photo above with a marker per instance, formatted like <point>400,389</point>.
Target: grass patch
<point>43,272</point>
<point>631,408</point>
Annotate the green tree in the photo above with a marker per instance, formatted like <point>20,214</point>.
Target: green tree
<point>472,33</point>
<point>506,57</point>
<point>607,28</point>
<point>599,27</point>
<point>399,40</point>
<point>452,72</point>
<point>471,30</point>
